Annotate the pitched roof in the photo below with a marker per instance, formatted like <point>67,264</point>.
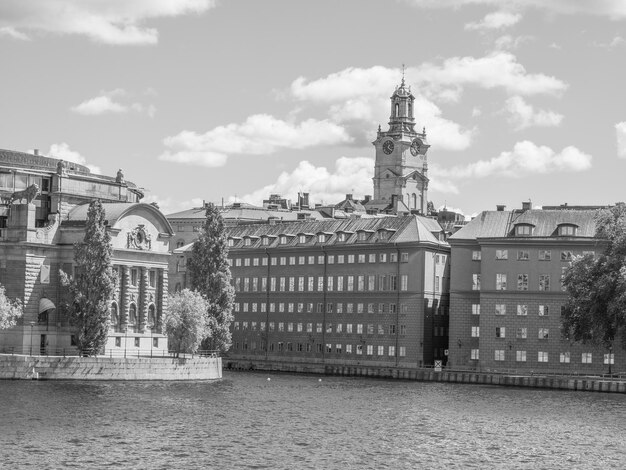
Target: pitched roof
<point>244,211</point>
<point>399,229</point>
<point>113,212</point>
<point>495,224</point>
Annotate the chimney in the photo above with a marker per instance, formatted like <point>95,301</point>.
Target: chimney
<point>526,205</point>
<point>36,152</point>
<point>348,197</point>
<point>367,198</point>
<point>500,207</point>
<point>394,199</point>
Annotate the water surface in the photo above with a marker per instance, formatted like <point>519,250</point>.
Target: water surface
<point>298,421</point>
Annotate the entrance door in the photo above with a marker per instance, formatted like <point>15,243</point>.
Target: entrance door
<point>42,345</point>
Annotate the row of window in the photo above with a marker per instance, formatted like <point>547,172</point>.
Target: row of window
<point>321,237</point>
<point>134,276</point>
<point>358,349</point>
<point>381,282</point>
<point>290,327</point>
<point>544,283</point>
<point>520,333</point>
<point>524,255</point>
<point>542,356</point>
<point>310,307</point>
<point>332,259</point>
<point>118,342</point>
<point>522,309</point>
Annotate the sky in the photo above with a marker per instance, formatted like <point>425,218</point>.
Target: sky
<point>209,100</point>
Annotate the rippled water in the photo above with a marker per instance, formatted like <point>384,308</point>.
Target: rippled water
<point>296,421</point>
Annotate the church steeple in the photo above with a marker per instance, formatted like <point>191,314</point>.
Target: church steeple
<point>401,167</point>
<point>401,119</point>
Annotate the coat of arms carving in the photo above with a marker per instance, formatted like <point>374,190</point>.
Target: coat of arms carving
<point>139,239</point>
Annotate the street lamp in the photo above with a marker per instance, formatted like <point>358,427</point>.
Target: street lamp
<point>150,326</point>
<point>32,323</point>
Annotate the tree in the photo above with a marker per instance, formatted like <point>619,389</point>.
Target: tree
<point>595,312</point>
<point>93,284</point>
<point>210,275</point>
<point>185,321</point>
<point>10,310</point>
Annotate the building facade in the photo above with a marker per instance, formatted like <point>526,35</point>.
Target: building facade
<point>42,223</point>
<point>348,292</point>
<point>506,293</point>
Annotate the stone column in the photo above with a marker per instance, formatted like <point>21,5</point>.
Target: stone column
<point>143,299</point>
<point>124,297</point>
<point>161,297</point>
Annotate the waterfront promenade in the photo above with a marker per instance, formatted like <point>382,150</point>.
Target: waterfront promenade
<point>610,384</point>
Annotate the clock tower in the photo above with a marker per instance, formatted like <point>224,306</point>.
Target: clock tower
<point>401,166</point>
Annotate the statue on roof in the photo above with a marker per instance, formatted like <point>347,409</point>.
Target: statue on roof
<point>120,177</point>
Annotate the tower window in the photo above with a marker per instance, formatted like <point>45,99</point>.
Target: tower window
<point>397,110</point>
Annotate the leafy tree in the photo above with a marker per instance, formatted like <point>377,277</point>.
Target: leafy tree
<point>10,310</point>
<point>595,311</point>
<point>210,275</point>
<point>92,287</point>
<point>185,322</point>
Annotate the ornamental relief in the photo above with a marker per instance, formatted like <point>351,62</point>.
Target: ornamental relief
<point>139,239</point>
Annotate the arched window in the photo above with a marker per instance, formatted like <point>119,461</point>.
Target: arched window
<point>397,110</point>
<point>414,201</point>
<point>177,288</point>
<point>151,315</point>
<point>180,243</point>
<point>132,315</point>
<point>115,318</point>
<point>410,109</point>
<point>408,200</point>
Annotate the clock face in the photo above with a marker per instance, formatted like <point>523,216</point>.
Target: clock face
<point>388,147</point>
<point>415,147</point>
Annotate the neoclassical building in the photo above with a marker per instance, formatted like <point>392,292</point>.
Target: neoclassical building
<point>41,224</point>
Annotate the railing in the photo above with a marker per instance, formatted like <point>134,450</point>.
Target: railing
<point>108,352</point>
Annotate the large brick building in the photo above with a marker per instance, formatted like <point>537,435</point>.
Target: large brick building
<point>42,216</point>
<point>506,293</point>
<point>359,290</point>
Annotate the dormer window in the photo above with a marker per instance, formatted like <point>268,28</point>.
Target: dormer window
<point>363,236</point>
<point>524,230</point>
<point>283,239</point>
<point>321,238</point>
<point>265,241</point>
<point>567,230</point>
<point>383,234</point>
<point>231,242</point>
<point>342,236</point>
<point>302,239</point>
<point>247,241</point>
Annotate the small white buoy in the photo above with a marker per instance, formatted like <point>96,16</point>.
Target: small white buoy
<point>319,380</point>
<point>268,379</point>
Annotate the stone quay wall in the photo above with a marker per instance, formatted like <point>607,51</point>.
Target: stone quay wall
<point>574,383</point>
<point>106,368</point>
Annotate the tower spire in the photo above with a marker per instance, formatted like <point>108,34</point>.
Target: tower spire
<point>403,68</point>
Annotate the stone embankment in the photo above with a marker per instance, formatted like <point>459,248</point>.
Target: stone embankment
<point>107,368</point>
<point>578,383</point>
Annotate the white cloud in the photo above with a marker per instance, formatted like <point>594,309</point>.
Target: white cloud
<point>614,9</point>
<point>350,175</point>
<point>497,70</point>
<point>523,115</point>
<point>508,42</point>
<point>525,158</point>
<point>620,132</point>
<point>260,134</point>
<point>13,33</point>
<point>117,22</point>
<point>617,41</point>
<point>64,152</point>
<point>495,20</point>
<point>99,105</point>
<point>104,104</point>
